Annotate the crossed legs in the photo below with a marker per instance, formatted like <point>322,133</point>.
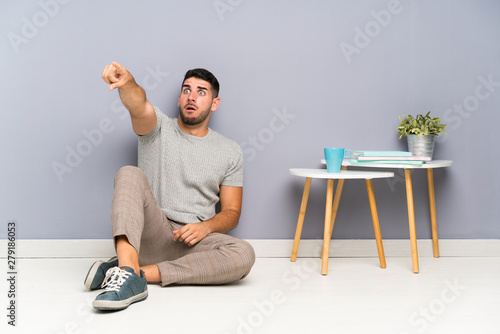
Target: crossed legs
<point>144,240</point>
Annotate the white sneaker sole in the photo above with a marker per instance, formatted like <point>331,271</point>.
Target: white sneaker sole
<point>115,305</point>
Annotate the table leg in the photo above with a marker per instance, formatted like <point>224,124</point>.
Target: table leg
<point>411,220</point>
<point>328,220</point>
<point>432,204</point>
<point>300,222</point>
<point>336,201</point>
<point>376,225</point>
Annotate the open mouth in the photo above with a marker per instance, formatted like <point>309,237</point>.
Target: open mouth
<point>190,107</point>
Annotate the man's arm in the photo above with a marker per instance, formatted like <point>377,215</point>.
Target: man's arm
<point>142,112</point>
<point>224,221</point>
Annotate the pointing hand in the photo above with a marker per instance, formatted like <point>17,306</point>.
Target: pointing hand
<point>116,75</point>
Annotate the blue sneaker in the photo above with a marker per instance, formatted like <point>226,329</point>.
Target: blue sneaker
<point>123,287</point>
<point>97,272</point>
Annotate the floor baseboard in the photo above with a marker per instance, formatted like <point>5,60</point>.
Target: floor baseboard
<point>103,248</point>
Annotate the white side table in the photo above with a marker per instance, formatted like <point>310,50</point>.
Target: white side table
<point>429,166</point>
<point>332,208</point>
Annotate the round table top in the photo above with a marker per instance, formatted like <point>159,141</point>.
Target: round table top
<point>430,164</point>
<point>344,174</point>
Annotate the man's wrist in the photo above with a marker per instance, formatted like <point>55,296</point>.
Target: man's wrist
<point>129,82</point>
<point>208,226</point>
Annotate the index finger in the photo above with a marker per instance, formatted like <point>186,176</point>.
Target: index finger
<point>119,68</point>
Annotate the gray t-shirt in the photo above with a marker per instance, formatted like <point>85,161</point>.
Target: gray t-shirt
<point>186,172</point>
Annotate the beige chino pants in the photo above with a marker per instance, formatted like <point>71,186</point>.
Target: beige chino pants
<point>217,259</point>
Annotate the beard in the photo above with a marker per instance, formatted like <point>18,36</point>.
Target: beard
<point>190,121</point>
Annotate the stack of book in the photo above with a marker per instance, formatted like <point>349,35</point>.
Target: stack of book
<point>387,157</point>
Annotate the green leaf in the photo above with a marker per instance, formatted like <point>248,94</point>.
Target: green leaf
<point>420,125</point>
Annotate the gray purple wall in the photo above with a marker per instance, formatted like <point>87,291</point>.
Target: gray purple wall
<point>296,76</point>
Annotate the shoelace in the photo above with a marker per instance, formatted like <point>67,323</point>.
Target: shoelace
<point>115,277</point>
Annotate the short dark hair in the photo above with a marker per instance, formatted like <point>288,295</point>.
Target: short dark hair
<point>206,75</point>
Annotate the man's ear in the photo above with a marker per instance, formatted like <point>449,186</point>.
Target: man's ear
<point>215,103</point>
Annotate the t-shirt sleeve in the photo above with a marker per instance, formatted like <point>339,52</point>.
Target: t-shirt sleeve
<point>234,174</point>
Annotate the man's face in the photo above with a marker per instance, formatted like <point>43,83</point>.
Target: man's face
<point>196,101</point>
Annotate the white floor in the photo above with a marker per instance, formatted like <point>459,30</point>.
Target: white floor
<point>449,295</point>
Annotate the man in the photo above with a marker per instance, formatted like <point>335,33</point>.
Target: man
<point>164,223</point>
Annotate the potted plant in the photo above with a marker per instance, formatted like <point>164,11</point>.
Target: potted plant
<point>420,133</point>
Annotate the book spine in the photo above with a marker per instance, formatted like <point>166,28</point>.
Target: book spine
<point>386,162</point>
<point>382,153</point>
<point>412,158</point>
